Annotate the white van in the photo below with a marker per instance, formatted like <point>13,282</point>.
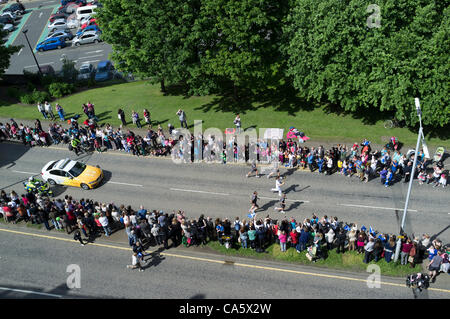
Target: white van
<point>86,11</point>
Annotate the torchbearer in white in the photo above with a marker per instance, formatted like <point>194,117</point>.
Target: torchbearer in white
<point>278,184</point>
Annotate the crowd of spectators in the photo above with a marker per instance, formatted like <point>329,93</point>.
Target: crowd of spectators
<point>152,227</point>
<point>389,164</point>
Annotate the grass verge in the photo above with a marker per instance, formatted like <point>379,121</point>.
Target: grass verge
<point>349,261</point>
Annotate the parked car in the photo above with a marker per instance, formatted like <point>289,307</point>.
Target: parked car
<point>50,44</point>
<point>86,72</point>
<point>16,8</point>
<point>47,70</point>
<point>6,20</point>
<point>65,34</point>
<point>87,37</point>
<point>59,24</point>
<point>7,27</point>
<point>105,71</point>
<point>86,24</point>
<point>85,19</point>
<point>72,23</point>
<point>65,2</point>
<point>10,14</point>
<point>57,16</point>
<point>93,27</point>
<point>69,7</point>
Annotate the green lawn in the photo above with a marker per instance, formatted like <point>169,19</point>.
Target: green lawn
<point>349,261</point>
<point>320,123</point>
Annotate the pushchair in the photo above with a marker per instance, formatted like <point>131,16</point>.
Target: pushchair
<point>418,281</point>
<point>439,154</point>
<point>313,253</point>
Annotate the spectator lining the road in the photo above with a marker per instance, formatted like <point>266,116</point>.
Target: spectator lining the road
<point>152,227</point>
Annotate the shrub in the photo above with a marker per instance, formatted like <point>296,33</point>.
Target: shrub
<point>58,90</point>
<point>27,99</point>
<point>40,96</point>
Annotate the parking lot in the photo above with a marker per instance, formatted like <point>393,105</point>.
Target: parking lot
<point>35,20</point>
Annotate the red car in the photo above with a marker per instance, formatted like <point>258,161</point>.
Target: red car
<point>90,22</point>
<point>61,15</point>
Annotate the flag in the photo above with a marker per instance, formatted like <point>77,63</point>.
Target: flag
<point>251,215</point>
<point>363,228</point>
<point>371,230</point>
<point>347,228</point>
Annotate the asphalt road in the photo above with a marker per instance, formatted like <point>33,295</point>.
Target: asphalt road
<point>223,191</point>
<point>35,21</point>
<point>35,266</point>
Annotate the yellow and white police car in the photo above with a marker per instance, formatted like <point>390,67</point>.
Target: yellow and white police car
<point>72,173</point>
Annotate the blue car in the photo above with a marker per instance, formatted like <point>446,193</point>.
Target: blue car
<point>105,71</point>
<point>92,27</point>
<point>50,44</point>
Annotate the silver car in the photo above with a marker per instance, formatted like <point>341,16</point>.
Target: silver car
<point>86,72</point>
<point>7,27</point>
<point>58,24</point>
<point>87,37</point>
<point>12,15</point>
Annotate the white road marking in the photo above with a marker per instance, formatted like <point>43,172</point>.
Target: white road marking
<point>20,51</point>
<point>137,185</point>
<point>92,56</point>
<point>21,172</point>
<point>31,292</point>
<point>288,200</point>
<point>89,61</point>
<point>97,51</point>
<point>40,14</point>
<point>375,207</point>
<point>34,66</point>
<point>195,191</point>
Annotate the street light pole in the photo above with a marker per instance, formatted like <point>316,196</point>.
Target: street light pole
<point>35,60</point>
<point>419,137</point>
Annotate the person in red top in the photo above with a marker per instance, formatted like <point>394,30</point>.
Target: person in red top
<point>406,247</point>
<point>294,237</point>
<point>8,213</point>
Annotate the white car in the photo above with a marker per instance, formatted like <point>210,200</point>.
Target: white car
<point>7,27</point>
<point>85,19</point>
<point>58,24</point>
<point>72,23</point>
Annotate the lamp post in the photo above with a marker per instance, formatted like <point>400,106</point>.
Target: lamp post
<point>35,60</point>
<point>420,136</point>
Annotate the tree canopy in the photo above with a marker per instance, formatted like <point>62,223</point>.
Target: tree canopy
<point>5,52</point>
<point>348,52</point>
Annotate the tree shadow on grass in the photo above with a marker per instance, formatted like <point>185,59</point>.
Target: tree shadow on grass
<point>282,100</point>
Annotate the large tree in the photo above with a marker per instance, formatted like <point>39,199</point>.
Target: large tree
<point>240,41</point>
<point>5,53</point>
<point>339,55</point>
<point>149,37</point>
